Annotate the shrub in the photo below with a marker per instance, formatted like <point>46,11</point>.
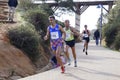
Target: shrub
<point>25,38</point>
<point>117,41</point>
<point>110,33</point>
<point>26,5</point>
<point>38,18</point>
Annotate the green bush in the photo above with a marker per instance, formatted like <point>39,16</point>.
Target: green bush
<point>110,33</point>
<point>117,41</point>
<point>25,38</point>
<point>112,28</point>
<point>35,14</point>
<point>26,5</point>
<point>38,18</point>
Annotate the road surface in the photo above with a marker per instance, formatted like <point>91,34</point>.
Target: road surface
<point>100,64</point>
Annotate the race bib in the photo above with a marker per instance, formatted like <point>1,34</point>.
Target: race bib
<point>85,35</point>
<point>54,35</point>
<point>68,35</point>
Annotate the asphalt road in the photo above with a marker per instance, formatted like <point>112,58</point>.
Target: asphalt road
<point>100,64</point>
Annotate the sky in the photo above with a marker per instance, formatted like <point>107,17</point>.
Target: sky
<point>89,17</point>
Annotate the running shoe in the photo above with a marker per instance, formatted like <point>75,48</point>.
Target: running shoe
<point>69,62</point>
<point>86,53</point>
<point>75,64</point>
<point>63,69</point>
<point>84,50</point>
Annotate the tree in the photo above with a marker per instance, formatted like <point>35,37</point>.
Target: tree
<point>26,5</point>
<point>64,6</point>
<point>112,28</point>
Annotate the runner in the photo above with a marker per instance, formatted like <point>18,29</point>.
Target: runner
<point>86,34</point>
<point>70,42</point>
<point>54,30</point>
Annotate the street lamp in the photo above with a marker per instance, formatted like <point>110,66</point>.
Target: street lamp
<point>101,20</point>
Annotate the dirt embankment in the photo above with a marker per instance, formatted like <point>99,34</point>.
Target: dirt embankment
<point>13,62</point>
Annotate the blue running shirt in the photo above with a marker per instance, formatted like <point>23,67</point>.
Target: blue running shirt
<point>55,33</point>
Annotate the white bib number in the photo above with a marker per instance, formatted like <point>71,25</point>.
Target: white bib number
<point>85,35</point>
<point>54,35</point>
<point>68,35</point>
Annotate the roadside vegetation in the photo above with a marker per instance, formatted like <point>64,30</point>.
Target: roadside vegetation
<point>28,36</point>
<point>111,30</point>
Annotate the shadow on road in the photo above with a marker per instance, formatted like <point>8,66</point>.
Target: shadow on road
<point>98,72</point>
<point>74,76</point>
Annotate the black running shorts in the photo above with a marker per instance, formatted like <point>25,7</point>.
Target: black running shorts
<point>87,39</point>
<point>70,43</point>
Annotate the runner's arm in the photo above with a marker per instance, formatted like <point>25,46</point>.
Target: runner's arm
<point>62,30</point>
<point>89,33</point>
<point>47,34</point>
<point>82,34</point>
<point>75,32</point>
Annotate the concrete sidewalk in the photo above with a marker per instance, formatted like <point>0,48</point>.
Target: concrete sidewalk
<point>99,64</point>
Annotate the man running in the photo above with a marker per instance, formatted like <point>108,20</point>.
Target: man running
<point>54,30</point>
<point>70,42</point>
<point>86,35</point>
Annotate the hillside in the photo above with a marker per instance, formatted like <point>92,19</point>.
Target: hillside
<point>12,60</point>
<point>14,63</point>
